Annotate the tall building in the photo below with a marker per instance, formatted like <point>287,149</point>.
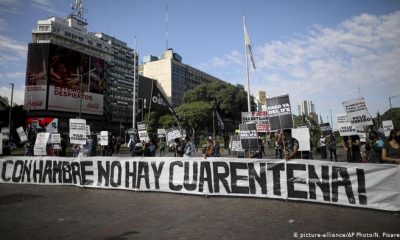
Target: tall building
<point>262,97</point>
<point>174,76</point>
<point>71,71</point>
<point>306,107</point>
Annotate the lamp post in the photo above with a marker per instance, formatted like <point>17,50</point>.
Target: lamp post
<point>390,100</point>
<point>80,88</point>
<point>9,116</point>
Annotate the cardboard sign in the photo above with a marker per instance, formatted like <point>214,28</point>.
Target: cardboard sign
<point>303,136</point>
<point>344,126</point>
<point>39,148</point>
<point>387,127</point>
<point>55,138</point>
<point>104,138</point>
<point>77,131</point>
<point>21,134</point>
<point>248,136</point>
<point>357,113</point>
<point>280,113</point>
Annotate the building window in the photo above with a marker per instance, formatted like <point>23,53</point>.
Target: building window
<point>44,28</point>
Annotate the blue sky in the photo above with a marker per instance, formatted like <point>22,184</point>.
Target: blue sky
<point>323,51</point>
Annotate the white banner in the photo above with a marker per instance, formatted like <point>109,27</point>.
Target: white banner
<point>77,131</point>
<point>104,138</point>
<point>303,136</point>
<point>387,127</point>
<point>40,144</point>
<point>344,126</point>
<point>143,136</point>
<point>357,113</point>
<point>21,134</point>
<point>350,184</point>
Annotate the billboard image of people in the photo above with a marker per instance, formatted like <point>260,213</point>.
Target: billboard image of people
<point>36,77</point>
<point>70,81</point>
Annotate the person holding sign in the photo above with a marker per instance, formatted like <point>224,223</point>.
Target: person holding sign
<point>391,149</point>
<point>290,145</point>
<point>351,145</point>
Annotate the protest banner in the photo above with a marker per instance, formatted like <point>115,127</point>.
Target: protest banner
<point>77,131</point>
<point>344,126</point>
<point>21,134</point>
<point>357,112</point>
<point>349,184</point>
<point>387,127</point>
<point>172,134</point>
<point>248,136</point>
<point>279,113</point>
<point>259,118</point>
<point>303,136</point>
<point>39,148</point>
<point>104,138</point>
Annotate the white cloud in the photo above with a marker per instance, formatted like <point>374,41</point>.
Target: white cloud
<point>11,50</point>
<point>18,95</point>
<point>234,57</point>
<point>12,75</point>
<point>47,5</point>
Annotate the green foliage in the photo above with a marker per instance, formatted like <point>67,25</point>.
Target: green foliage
<point>167,121</point>
<point>195,115</point>
<point>392,114</point>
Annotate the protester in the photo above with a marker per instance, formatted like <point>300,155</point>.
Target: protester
<point>93,146</point>
<point>118,145</point>
<point>179,148</point>
<point>391,148</point>
<point>374,148</point>
<point>322,146</point>
<point>290,145</point>
<point>261,144</point>
<point>131,146</point>
<point>63,144</point>
<point>162,145</point>
<point>6,148</point>
<point>217,149</point>
<point>189,148</point>
<point>278,145</point>
<point>75,150</point>
<point>208,151</point>
<point>152,148</point>
<point>351,145</point>
<point>332,147</point>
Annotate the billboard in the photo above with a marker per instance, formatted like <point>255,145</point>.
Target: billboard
<point>71,86</point>
<point>36,77</point>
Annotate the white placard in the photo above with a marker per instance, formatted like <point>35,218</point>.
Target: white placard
<point>344,126</point>
<point>357,113</point>
<point>55,138</point>
<point>88,130</point>
<point>303,136</point>
<point>40,144</point>
<point>77,131</point>
<point>6,133</point>
<point>387,127</point>
<point>104,138</point>
<point>143,136</point>
<point>21,134</point>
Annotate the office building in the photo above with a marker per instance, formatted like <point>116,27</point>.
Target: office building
<point>174,76</point>
<point>306,107</point>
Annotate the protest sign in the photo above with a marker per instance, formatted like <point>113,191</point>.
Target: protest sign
<point>161,133</point>
<point>387,127</point>
<point>259,118</point>
<point>248,136</point>
<point>172,134</point>
<point>39,148</point>
<point>303,136</point>
<point>357,112</point>
<point>279,113</point>
<point>21,134</point>
<point>77,131</point>
<point>104,138</point>
<point>348,184</point>
<point>55,138</point>
<point>88,130</point>
<point>142,131</point>
<point>141,126</point>
<point>235,144</point>
<point>6,133</point>
<point>344,126</point>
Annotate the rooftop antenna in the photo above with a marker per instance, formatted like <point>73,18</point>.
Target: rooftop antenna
<point>166,27</point>
<point>78,10</point>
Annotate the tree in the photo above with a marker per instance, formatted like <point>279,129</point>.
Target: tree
<point>195,115</point>
<point>167,121</point>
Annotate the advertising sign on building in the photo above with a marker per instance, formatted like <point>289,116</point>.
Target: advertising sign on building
<point>77,131</point>
<point>357,113</point>
<point>280,113</point>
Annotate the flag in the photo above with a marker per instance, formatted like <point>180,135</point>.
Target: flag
<point>249,46</point>
<point>220,122</point>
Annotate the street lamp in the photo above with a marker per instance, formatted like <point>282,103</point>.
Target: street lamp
<point>9,116</point>
<point>80,88</point>
<point>390,100</point>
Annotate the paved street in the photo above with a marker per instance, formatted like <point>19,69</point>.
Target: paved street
<point>62,212</point>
